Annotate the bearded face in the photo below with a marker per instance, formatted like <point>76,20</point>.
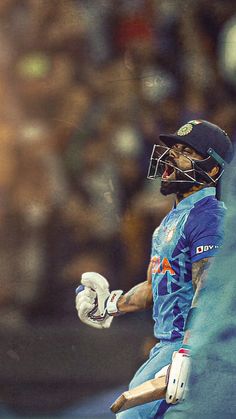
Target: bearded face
<point>175,181</point>
<point>182,169</point>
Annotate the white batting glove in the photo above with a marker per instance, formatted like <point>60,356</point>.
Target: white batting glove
<point>95,304</point>
<point>178,376</point>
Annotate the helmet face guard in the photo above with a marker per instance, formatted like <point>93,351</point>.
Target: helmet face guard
<point>196,175</point>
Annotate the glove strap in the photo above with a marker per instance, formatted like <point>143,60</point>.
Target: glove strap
<point>111,304</point>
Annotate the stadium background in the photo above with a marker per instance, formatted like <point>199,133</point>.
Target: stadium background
<point>86,87</point>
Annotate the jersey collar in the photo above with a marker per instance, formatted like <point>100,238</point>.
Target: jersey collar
<point>195,197</point>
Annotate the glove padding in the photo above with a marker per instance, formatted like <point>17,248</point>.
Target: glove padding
<point>86,304</point>
<point>94,302</point>
<point>178,376</point>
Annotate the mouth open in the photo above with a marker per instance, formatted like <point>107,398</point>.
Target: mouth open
<point>169,172</point>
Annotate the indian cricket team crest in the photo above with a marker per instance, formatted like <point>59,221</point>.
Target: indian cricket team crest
<point>185,130</point>
<point>195,122</point>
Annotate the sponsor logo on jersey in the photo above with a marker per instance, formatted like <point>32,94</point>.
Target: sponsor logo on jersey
<point>201,249</point>
<point>161,266</point>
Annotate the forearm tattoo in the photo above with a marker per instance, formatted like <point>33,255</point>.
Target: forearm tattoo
<point>133,296</point>
<point>199,274</point>
<point>138,298</point>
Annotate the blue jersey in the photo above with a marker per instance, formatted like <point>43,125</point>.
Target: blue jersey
<point>193,230</point>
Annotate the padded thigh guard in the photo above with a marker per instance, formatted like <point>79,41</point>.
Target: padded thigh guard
<point>178,378</point>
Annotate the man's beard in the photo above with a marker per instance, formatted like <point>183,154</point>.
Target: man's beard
<point>178,188</point>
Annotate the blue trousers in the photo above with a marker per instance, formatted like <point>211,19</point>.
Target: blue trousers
<point>160,355</point>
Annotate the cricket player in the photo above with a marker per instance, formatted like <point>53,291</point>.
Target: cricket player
<point>212,392</point>
<point>190,164</point>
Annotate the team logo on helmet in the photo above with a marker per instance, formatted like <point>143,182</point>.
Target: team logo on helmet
<point>185,130</point>
<point>195,122</point>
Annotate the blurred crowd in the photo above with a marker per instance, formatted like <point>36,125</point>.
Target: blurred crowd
<point>86,87</point>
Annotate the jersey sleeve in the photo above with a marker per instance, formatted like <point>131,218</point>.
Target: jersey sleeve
<point>205,232</point>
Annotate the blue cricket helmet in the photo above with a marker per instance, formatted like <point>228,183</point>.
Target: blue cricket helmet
<point>206,138</point>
